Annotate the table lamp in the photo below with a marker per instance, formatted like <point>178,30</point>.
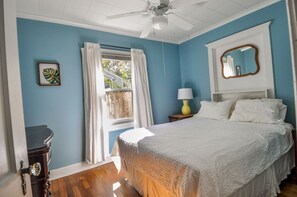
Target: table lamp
<point>185,94</point>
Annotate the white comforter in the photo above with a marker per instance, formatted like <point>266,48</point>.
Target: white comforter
<point>207,158</point>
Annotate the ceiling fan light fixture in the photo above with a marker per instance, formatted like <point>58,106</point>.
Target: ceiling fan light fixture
<point>160,22</point>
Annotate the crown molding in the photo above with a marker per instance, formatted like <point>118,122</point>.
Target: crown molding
<point>228,20</point>
<point>136,35</point>
<point>89,26</point>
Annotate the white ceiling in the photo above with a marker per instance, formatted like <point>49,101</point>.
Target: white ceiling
<point>92,13</point>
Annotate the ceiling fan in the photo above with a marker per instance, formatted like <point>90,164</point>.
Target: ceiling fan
<point>160,13</point>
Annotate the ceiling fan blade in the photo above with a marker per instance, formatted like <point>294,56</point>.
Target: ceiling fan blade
<point>164,2</point>
<point>147,30</point>
<point>126,14</point>
<point>184,3</point>
<point>173,18</point>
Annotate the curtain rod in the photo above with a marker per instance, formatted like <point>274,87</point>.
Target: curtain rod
<point>114,47</point>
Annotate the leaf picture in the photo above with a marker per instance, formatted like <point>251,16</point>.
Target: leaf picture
<point>51,75</point>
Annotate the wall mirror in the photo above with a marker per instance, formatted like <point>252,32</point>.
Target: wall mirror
<point>240,62</point>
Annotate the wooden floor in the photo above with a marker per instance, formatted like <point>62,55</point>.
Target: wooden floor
<point>104,181</point>
<point>289,186</point>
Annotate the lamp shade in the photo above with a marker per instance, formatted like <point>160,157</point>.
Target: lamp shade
<point>185,94</point>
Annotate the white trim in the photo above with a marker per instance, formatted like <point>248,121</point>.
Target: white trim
<point>292,29</point>
<point>137,35</point>
<point>120,126</point>
<point>75,168</point>
<point>235,95</point>
<point>228,20</point>
<point>239,35</point>
<point>88,26</point>
<point>115,51</point>
<point>127,123</point>
<point>12,124</point>
<point>259,36</point>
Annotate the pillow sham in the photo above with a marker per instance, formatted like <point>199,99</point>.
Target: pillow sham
<point>282,107</point>
<point>257,110</point>
<point>282,112</point>
<point>215,110</point>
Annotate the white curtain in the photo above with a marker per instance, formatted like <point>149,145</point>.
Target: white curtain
<point>229,69</point>
<point>142,109</point>
<point>94,93</point>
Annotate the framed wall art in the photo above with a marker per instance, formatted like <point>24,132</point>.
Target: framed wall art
<point>49,74</point>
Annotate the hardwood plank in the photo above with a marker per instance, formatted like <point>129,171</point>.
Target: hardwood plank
<point>106,181</point>
<point>76,191</point>
<point>84,182</point>
<point>61,185</point>
<point>53,187</point>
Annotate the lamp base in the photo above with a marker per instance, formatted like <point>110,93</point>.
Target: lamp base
<point>186,110</point>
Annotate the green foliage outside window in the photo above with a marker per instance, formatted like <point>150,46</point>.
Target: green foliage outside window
<point>120,68</point>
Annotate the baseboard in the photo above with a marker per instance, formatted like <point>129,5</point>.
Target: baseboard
<point>75,168</point>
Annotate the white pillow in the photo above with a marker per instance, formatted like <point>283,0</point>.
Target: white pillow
<point>282,107</point>
<point>257,110</point>
<point>283,112</point>
<point>215,110</point>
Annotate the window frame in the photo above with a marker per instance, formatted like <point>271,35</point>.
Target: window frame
<point>118,123</point>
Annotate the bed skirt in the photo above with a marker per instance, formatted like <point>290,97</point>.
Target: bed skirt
<point>265,184</point>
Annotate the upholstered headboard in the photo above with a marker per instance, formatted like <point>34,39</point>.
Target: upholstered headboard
<point>251,94</point>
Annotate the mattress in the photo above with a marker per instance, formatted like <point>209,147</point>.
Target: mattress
<point>202,157</point>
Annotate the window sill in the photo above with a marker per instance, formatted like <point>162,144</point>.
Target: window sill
<point>119,126</point>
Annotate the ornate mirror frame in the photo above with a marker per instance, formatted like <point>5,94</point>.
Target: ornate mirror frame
<point>242,75</point>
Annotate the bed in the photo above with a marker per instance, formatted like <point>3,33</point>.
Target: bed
<point>207,158</point>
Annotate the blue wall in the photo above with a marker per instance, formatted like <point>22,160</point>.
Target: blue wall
<point>61,108</point>
<point>113,136</point>
<point>194,57</point>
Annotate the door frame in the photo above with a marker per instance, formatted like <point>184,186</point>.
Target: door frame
<point>292,24</point>
<point>12,100</point>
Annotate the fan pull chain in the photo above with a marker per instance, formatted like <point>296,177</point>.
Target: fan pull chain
<point>164,65</point>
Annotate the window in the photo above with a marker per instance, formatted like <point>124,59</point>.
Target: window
<point>117,79</point>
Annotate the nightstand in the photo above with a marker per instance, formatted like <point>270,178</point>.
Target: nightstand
<point>176,117</point>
